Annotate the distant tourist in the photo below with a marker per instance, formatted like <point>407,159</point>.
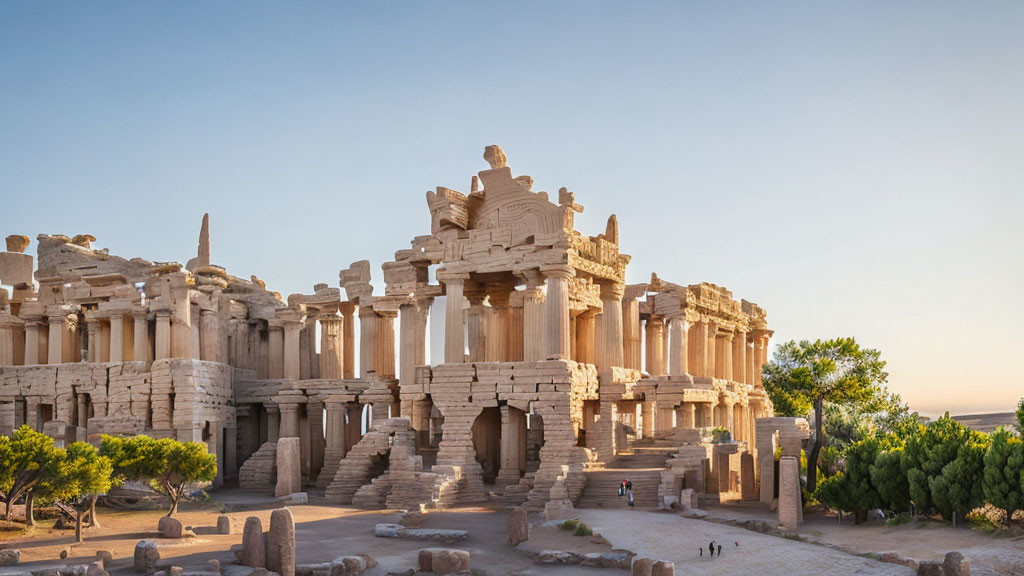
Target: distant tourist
<point>719,550</point>
<point>711,548</point>
<point>630,498</point>
<point>701,551</point>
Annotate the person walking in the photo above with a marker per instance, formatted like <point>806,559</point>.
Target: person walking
<point>630,498</point>
<point>711,549</point>
<point>719,550</point>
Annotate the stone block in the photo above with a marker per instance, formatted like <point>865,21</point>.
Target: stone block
<point>105,555</point>
<point>289,473</point>
<point>663,568</point>
<point>146,556</point>
<point>931,568</point>
<point>10,557</point>
<point>170,527</point>
<point>518,526</point>
<point>642,566</point>
<point>223,525</point>
<point>443,560</point>
<point>253,553</point>
<point>955,564</point>
<point>281,542</point>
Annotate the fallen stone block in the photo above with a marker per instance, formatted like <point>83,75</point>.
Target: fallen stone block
<point>281,542</point>
<point>642,566</point>
<point>146,556</point>
<point>955,564</point>
<point>443,560</point>
<point>223,525</point>
<point>663,568</point>
<point>931,568</point>
<point>105,555</point>
<point>96,569</point>
<point>558,557</point>
<point>518,526</point>
<point>387,530</point>
<point>170,527</point>
<point>253,550</point>
<point>10,557</point>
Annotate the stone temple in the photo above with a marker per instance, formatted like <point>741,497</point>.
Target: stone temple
<point>553,367</point>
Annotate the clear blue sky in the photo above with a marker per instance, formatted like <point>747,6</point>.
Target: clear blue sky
<point>857,169</point>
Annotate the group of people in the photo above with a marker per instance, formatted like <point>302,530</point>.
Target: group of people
<point>711,549</point>
<point>626,489</point>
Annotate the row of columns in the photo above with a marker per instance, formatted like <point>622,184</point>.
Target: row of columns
<point>701,349</point>
<point>546,322</point>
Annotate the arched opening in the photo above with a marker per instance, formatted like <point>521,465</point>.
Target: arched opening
<point>487,442</point>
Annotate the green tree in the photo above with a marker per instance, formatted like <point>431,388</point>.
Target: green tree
<point>1020,417</point>
<point>84,474</point>
<point>811,374</point>
<point>1004,468</point>
<point>852,489</point>
<point>169,466</point>
<point>27,458</point>
<point>890,481</point>
<point>959,488</point>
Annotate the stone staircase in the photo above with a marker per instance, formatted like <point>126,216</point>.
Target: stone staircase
<point>259,472</point>
<point>642,465</point>
<point>367,460</point>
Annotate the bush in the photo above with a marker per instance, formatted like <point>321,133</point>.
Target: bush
<point>583,530</point>
<point>570,525</point>
<point>721,435</point>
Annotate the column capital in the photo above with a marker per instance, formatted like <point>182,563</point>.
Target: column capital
<point>451,277</point>
<point>612,291</point>
<point>558,271</point>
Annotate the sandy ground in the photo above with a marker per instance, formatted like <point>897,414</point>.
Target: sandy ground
<point>324,532</point>
<point>922,540</point>
<point>666,536</point>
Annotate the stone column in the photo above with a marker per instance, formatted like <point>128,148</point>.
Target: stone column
<point>331,357</point>
<point>140,338</point>
<point>353,422</point>
<point>677,333</point>
<point>55,350</point>
<point>711,350</point>
<point>385,366</point>
<point>749,354</point>
<point>556,311</point>
<point>655,346</point>
<point>647,415</point>
<point>317,442</point>
<point>181,322</point>
<point>413,324</point>
<point>533,320</point>
<point>291,349</point>
<point>497,344</point>
<point>585,338</point>
<point>726,361</point>
<point>8,323</point>
<point>367,340</point>
<point>515,327</point>
<point>275,342</point>
<point>513,428</point>
<point>595,342</point>
<point>760,354</point>
<point>631,340</point>
<point>92,327</point>
<point>289,420</point>
<point>116,337</point>
<point>163,334</point>
<point>689,415</point>
<point>273,423</point>
<point>209,342</point>
<point>454,318</point>
<point>611,299</point>
<point>476,327</point>
<point>348,352</point>
<point>739,357</point>
<point>31,342</point>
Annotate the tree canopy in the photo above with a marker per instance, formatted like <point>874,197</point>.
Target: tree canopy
<point>27,458</point>
<point>809,374</point>
<point>168,465</point>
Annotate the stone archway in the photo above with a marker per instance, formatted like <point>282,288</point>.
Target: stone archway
<point>486,432</point>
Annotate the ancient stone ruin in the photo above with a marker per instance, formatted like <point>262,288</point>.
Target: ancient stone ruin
<point>552,364</point>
